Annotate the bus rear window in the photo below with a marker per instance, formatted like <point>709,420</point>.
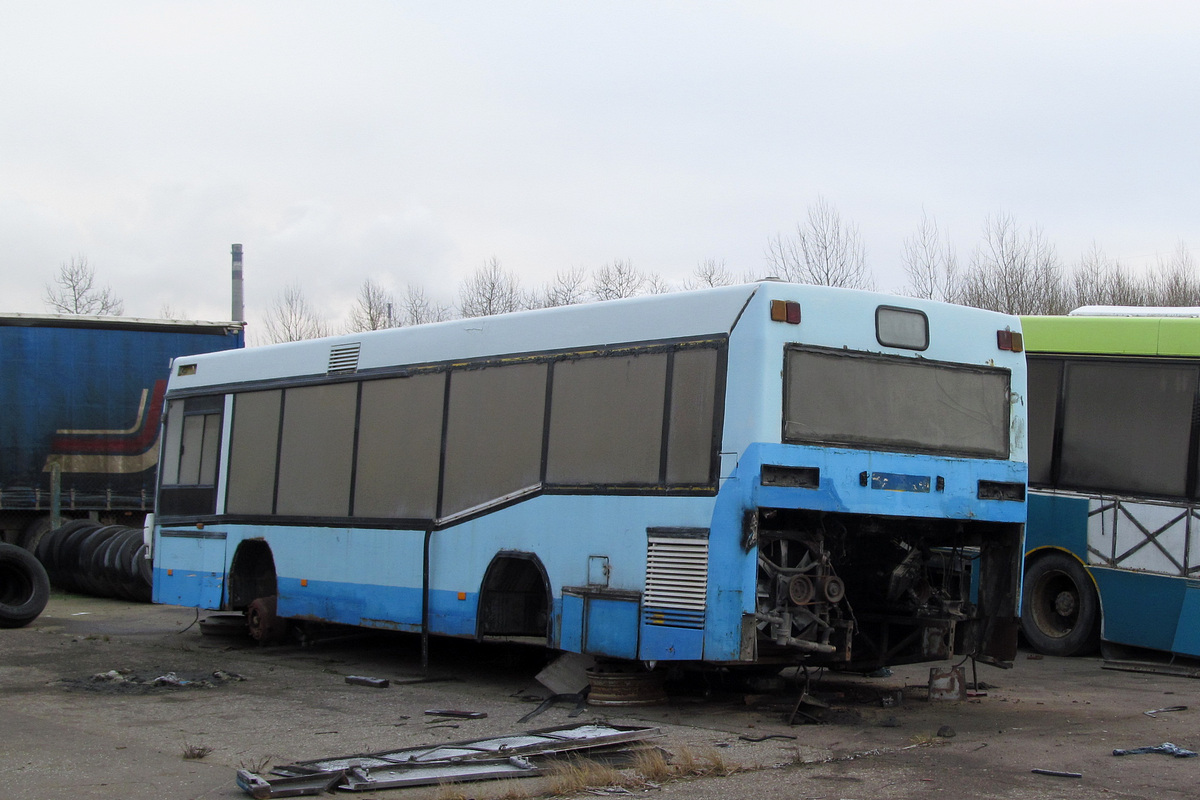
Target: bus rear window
<point>894,403</point>
<point>901,327</point>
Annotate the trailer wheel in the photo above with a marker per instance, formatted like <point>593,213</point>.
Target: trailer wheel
<point>1060,610</point>
<point>24,587</point>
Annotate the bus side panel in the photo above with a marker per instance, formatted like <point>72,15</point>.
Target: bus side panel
<point>196,575</point>
<point>1130,618</point>
<point>1187,634</point>
<point>1057,521</point>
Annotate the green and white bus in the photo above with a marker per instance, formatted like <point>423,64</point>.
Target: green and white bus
<point>1113,535</point>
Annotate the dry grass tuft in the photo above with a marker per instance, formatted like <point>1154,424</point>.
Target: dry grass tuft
<point>451,791</point>
<point>652,765</point>
<point>195,751</point>
<point>708,762</point>
<point>579,774</point>
<point>257,767</point>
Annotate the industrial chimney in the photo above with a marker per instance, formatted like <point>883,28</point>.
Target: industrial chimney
<point>239,310</point>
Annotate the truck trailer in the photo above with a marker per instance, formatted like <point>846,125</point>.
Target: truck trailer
<point>81,400</point>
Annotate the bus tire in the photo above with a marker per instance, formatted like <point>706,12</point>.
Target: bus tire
<point>1060,610</point>
<point>24,587</point>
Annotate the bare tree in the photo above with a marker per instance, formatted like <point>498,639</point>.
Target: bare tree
<point>932,266</point>
<point>709,272</point>
<point>291,319</point>
<point>417,309</point>
<point>620,279</point>
<point>373,310</point>
<point>74,291</point>
<point>1101,280</point>
<point>568,288</point>
<point>1014,272</point>
<point>491,290</point>
<point>1173,281</point>
<point>824,251</point>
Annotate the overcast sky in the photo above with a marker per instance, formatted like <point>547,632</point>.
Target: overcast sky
<point>411,142</point>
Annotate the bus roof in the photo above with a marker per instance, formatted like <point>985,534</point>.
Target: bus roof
<point>648,318</point>
<point>1113,335</point>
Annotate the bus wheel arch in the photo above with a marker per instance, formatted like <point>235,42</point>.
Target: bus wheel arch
<point>1060,607</point>
<point>251,574</point>
<point>514,597</point>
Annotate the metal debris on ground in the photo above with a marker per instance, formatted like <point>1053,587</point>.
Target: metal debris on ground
<point>517,755</point>
<point>1155,711</point>
<point>362,680</point>
<point>1054,773</point>
<point>579,699</point>
<point>1178,670</point>
<point>1166,748</point>
<point>455,714</point>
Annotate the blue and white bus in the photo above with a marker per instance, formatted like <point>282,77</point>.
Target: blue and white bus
<point>758,474</point>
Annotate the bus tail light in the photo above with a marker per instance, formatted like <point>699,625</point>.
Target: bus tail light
<point>1001,490</point>
<point>1010,340</point>
<point>785,311</point>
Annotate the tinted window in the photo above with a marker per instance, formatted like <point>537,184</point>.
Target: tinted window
<point>1126,427</point>
<point>895,403</point>
<point>399,447</point>
<point>493,434</point>
<point>1045,376</point>
<point>252,453</point>
<point>316,452</point>
<point>606,422</point>
<point>693,396</point>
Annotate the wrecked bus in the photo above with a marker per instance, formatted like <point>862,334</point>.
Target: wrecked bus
<point>760,474</point>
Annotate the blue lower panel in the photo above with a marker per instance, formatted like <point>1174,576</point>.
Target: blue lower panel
<point>1187,633</point>
<point>1141,609</point>
<point>192,588</point>
<point>392,607</point>
<point>660,642</point>
<point>571,631</point>
<point>612,628</point>
<point>598,625</point>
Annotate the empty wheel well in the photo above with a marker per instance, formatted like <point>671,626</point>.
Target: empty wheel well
<point>514,599</point>
<point>252,574</point>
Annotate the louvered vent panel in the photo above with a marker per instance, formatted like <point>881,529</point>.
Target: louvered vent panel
<point>676,581</point>
<point>344,357</point>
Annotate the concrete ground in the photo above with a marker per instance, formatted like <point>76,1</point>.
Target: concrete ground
<point>66,735</point>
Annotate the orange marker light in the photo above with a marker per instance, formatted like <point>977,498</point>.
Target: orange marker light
<point>785,311</point>
<point>462,595</point>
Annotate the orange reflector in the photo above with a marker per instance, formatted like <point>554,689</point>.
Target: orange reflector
<point>462,595</point>
<point>785,311</point>
<point>304,581</point>
<point>170,572</point>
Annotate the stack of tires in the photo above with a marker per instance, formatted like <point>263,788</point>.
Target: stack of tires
<point>102,560</point>
<point>24,587</point>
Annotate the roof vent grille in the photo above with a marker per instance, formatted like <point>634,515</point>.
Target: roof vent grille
<point>344,358</point>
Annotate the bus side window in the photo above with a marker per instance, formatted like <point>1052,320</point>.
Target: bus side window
<point>399,447</point>
<point>1045,378</point>
<point>252,452</point>
<point>189,455</point>
<point>693,397</point>
<point>606,420</point>
<point>316,450</point>
<point>493,434</point>
<point>1121,425</point>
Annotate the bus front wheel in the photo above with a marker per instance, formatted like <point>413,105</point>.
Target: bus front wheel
<point>1060,611</point>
